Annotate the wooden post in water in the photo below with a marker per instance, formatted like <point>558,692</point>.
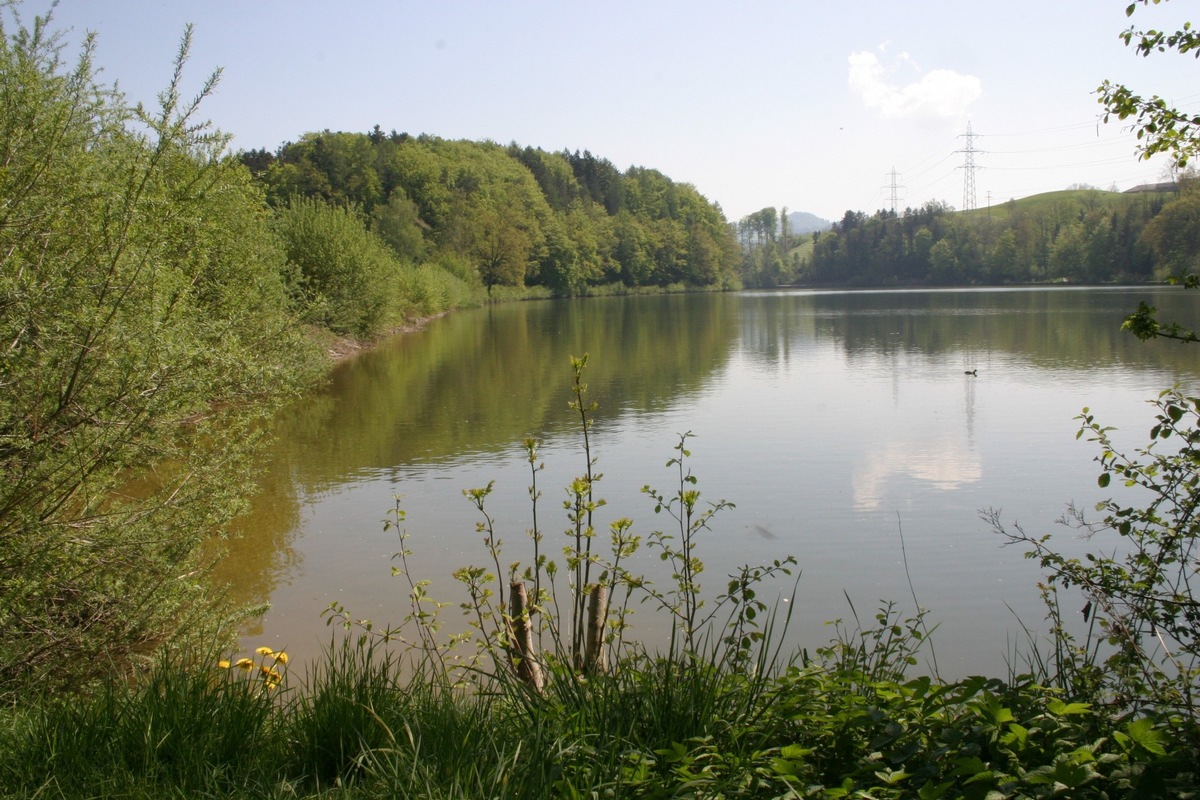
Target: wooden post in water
<point>521,632</point>
<point>597,615</point>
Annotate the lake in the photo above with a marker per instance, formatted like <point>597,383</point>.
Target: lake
<point>843,425</point>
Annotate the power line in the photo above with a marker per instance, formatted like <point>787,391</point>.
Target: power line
<point>941,149</point>
<point>930,168</point>
<point>1178,103</point>
<point>1122,141</point>
<point>1073,165</point>
<point>1107,150</point>
<point>944,177</point>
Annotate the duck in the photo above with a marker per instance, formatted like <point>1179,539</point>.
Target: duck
<point>974,372</point>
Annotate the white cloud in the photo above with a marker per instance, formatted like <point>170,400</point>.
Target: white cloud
<point>938,93</point>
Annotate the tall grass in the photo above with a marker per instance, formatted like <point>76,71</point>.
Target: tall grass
<point>185,726</point>
<point>677,724</point>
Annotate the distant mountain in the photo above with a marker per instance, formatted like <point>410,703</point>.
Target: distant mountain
<point>801,222</point>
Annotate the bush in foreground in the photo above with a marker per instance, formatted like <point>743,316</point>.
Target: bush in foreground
<point>144,318</point>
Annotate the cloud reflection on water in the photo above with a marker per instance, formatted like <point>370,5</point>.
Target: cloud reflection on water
<point>945,464</point>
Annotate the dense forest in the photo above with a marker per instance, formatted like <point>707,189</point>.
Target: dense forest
<point>505,216</point>
<point>1073,236</point>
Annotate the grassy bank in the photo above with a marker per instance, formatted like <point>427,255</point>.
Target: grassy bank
<point>680,725</point>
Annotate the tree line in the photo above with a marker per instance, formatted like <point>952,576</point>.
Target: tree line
<point>497,216</point>
<point>1076,236</point>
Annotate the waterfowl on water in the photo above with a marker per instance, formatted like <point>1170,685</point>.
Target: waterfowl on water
<point>974,372</point>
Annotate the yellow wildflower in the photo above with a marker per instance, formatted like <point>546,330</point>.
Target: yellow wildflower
<point>281,657</point>
<point>271,678</point>
<point>223,663</point>
<point>245,663</point>
<point>264,651</point>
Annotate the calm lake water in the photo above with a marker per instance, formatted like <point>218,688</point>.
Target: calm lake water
<point>837,422</point>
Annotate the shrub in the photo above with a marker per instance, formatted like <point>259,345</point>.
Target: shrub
<point>143,316</point>
<point>347,275</point>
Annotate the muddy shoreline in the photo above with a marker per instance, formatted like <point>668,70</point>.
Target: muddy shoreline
<point>343,348</point>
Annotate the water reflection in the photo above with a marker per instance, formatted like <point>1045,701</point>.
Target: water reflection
<point>827,417</point>
<point>945,464</point>
<point>467,389</point>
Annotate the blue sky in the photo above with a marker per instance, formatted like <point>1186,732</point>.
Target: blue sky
<point>808,105</point>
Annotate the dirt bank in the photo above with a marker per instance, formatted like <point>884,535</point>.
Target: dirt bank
<point>340,348</point>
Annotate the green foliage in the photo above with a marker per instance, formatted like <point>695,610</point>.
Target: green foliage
<point>350,704</point>
<point>586,623</point>
<point>1079,236</point>
<point>509,217</point>
<point>144,316</point>
<point>501,249</point>
<point>1141,652</point>
<point>184,725</point>
<point>702,718</point>
<point>1174,236</point>
<point>1174,233</point>
<point>765,243</point>
<point>428,290</point>
<point>346,275</point>
<point>1143,323</point>
<point>397,222</point>
<point>672,726</point>
<point>884,652</point>
<point>977,738</point>
<point>1161,127</point>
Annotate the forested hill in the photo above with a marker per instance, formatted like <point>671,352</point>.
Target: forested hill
<point>508,215</point>
<point>1075,236</point>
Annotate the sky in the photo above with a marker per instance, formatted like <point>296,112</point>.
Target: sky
<point>821,107</point>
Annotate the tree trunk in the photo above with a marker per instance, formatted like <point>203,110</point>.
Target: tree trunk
<point>594,660</point>
<point>524,659</point>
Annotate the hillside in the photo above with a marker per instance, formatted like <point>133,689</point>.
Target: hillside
<point>1072,236</point>
<point>802,222</point>
<point>1048,202</point>
<point>507,216</point>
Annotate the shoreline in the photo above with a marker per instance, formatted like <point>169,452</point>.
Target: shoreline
<point>345,348</point>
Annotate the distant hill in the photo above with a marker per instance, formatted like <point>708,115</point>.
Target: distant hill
<point>801,222</point>
<point>1081,199</point>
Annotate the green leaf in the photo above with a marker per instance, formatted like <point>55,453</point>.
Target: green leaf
<point>1144,734</point>
<point>794,751</point>
<point>1060,709</point>
<point>892,778</point>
